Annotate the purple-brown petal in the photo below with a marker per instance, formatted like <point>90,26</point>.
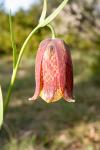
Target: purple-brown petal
<point>38,62</point>
<point>68,93</point>
<point>50,73</point>
<point>60,54</point>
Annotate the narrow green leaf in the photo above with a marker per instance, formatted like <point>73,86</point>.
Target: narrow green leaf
<point>54,14</point>
<point>1,107</point>
<point>12,42</point>
<point>44,11</point>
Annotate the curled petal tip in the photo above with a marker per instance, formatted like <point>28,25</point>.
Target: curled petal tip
<point>31,99</point>
<point>71,100</point>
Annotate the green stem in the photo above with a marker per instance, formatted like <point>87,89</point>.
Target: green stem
<point>52,30</point>
<point>6,101</point>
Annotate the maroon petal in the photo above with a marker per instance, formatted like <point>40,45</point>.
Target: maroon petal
<point>60,55</point>
<point>38,62</point>
<point>50,73</point>
<point>68,93</point>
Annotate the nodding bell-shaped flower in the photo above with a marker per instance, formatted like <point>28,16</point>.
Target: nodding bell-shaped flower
<point>54,71</point>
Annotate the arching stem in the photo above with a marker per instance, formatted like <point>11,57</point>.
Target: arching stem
<point>52,30</point>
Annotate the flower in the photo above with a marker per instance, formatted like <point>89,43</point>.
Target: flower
<point>54,71</point>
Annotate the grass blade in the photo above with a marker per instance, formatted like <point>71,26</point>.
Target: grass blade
<point>44,11</point>
<point>54,14</point>
<point>12,42</point>
<point>1,107</point>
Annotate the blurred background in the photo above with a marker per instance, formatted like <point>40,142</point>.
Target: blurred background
<point>60,125</point>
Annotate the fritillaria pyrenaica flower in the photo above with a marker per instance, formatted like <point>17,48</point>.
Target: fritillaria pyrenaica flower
<point>53,71</point>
